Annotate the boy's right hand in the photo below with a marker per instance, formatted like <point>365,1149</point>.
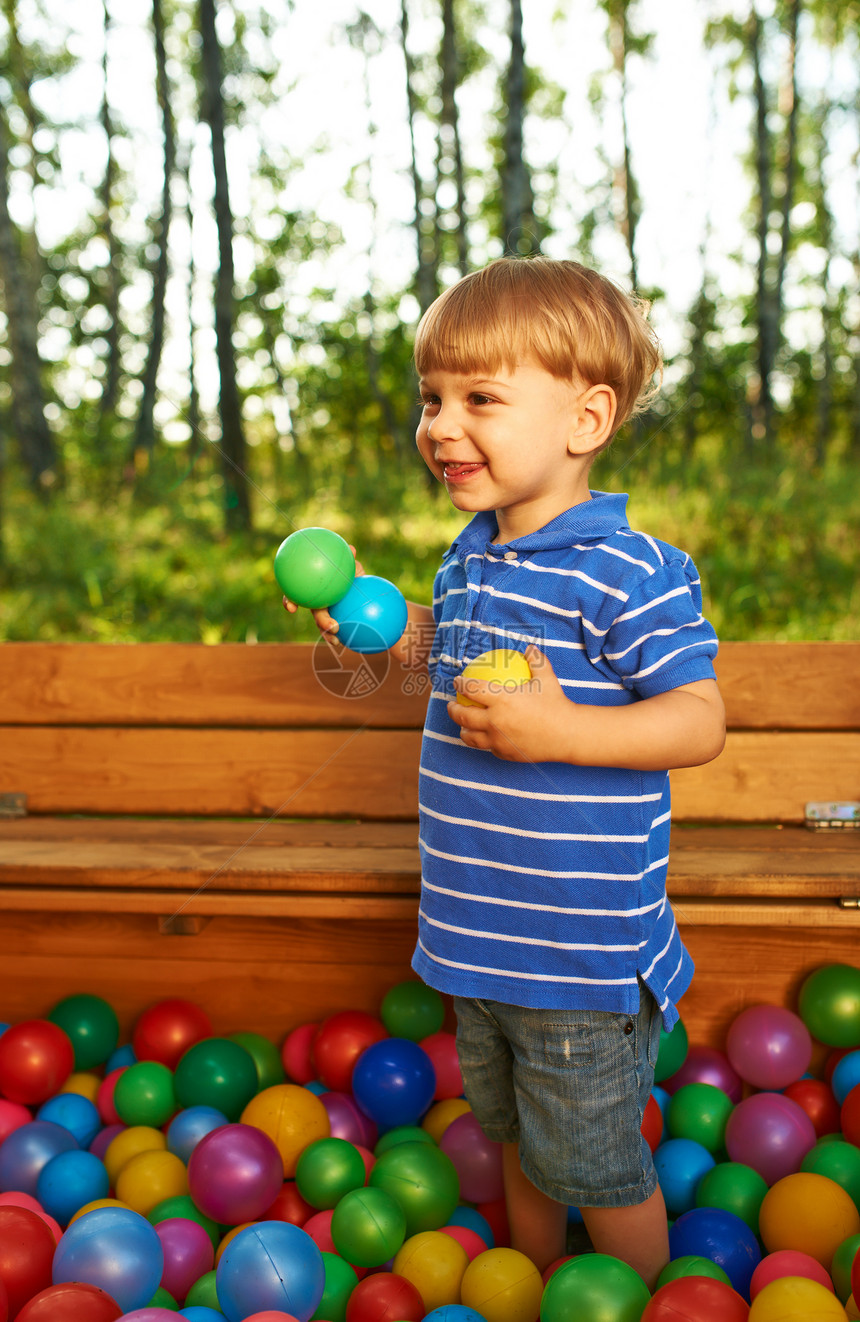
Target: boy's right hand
<point>325,622</point>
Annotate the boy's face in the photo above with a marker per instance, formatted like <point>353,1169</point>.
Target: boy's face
<point>508,442</point>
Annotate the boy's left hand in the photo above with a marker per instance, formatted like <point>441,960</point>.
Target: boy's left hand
<point>517,725</point>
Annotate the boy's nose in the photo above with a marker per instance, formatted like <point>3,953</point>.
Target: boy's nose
<point>446,425</point>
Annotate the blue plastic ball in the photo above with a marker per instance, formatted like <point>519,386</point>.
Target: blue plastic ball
<point>198,1313</point>
<point>372,615</point>
<point>723,1237</point>
<point>115,1249</point>
<point>270,1265</point>
<point>472,1219</point>
<point>27,1150</point>
<point>121,1058</point>
<point>70,1180</point>
<point>454,1313</point>
<point>680,1164</point>
<point>188,1127</point>
<point>394,1081</point>
<point>75,1113</point>
<point>845,1076</point>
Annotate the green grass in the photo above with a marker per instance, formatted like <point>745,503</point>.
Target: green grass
<point>776,545</point>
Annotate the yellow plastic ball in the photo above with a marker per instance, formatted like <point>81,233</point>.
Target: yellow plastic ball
<point>796,1299</point>
<point>292,1117</point>
<point>99,1202</point>
<point>852,1312</point>
<point>127,1144</point>
<point>443,1114</point>
<point>504,665</point>
<point>435,1264</point>
<point>85,1084</point>
<point>502,1285</point>
<point>149,1178</point>
<point>808,1212</point>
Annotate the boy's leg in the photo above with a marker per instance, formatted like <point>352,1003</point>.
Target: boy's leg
<point>638,1235</point>
<point>538,1223</point>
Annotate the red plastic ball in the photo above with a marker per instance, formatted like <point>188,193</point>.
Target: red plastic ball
<point>849,1116</point>
<point>36,1058</point>
<point>468,1239</point>
<point>496,1214</point>
<point>26,1255</point>
<point>385,1297</point>
<point>166,1030</point>
<point>696,1299</point>
<point>296,1054</point>
<point>855,1276</point>
<point>72,1301</point>
<point>104,1097</point>
<point>816,1098</point>
<point>4,1303</point>
<point>441,1047</point>
<point>289,1205</point>
<point>338,1043</point>
<point>652,1123</point>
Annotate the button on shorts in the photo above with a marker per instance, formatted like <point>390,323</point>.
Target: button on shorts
<point>570,1087</point>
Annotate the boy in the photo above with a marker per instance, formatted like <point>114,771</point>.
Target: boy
<point>545,807</point>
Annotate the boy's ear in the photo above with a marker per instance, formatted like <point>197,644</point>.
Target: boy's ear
<point>593,420</point>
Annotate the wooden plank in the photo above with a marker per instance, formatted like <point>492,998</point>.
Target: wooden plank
<point>790,686</point>
<point>188,684</point>
<point>206,903</point>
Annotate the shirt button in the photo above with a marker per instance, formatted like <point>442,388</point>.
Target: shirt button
<point>510,555</point>
<point>628,1027</point>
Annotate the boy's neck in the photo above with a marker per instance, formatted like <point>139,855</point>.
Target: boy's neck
<point>514,524</point>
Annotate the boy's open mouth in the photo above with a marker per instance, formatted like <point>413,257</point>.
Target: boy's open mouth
<point>459,472</point>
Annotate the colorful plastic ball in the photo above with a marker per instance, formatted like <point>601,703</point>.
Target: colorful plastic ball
<point>700,1111</point>
<point>846,1075</point>
<point>842,1264</point>
<point>787,1262</point>
<point>288,1205</point>
<point>769,1046</point>
<point>296,1053</point>
<point>338,1043</point>
<point>735,1188</point>
<point>188,1253</point>
<point>104,1096</point>
<point>70,1180</point>
<point>265,1055</point>
<point>152,1313</point>
<point>14,1199</point>
<point>652,1123</point>
<point>393,1082</point>
<point>807,1212</point>
<point>203,1293</point>
<point>849,1116</point>
<point>345,1120</point>
<point>392,1138</point>
<point>76,1113</point>
<point>91,1026</point>
<point>829,1005</point>
<point>121,1058</point>
<point>816,1098</point>
<point>840,1162</point>
<point>680,1164</point>
<point>128,1143</point>
<point>26,1254</point>
<point>198,1313</point>
<point>27,1150</point>
<point>412,1009</point>
<point>235,1173</point>
<point>166,1030</point>
<point>36,1058</point>
<point>770,1133</point>
<point>216,1072</point>
<point>691,1264</point>
<point>368,1226</point>
<point>314,567</point>
<point>270,1265</point>
<point>503,1285</point>
<point>441,1048</point>
<point>188,1127</point>
<point>12,1116</point>
<point>471,1243</point>
<point>424,1182</point>
<point>291,1116</point>
<point>149,1178</point>
<point>327,1169</point>
<point>115,1249</point>
<point>672,1053</point>
<point>454,1313</point>
<point>497,1215</point>
<point>71,1301</point>
<point>144,1094</point>
<point>473,1220</point>
<point>709,1232</point>
<point>706,1065</point>
<point>442,1114</point>
<point>477,1160</point>
<point>340,1281</point>
<point>697,1298</point>
<point>383,1297</point>
<point>795,1299</point>
<point>435,1264</point>
<point>371,615</point>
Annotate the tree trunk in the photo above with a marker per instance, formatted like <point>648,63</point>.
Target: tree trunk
<point>144,438</point>
<point>233,451</point>
<point>426,279</point>
<point>761,398</point>
<point>519,229</point>
<point>28,401</point>
<point>113,362</point>
<point>618,43</point>
<point>450,152</point>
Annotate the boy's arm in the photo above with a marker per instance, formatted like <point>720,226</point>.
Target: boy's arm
<point>683,727</point>
<point>412,649</point>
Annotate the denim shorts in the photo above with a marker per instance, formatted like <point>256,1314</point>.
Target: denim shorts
<point>570,1087</point>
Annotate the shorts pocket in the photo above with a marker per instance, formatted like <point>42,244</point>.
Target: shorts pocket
<point>568,1045</point>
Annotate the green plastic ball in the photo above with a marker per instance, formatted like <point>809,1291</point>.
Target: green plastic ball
<point>402,1134</point>
<point>266,1057</point>
<point>327,1169</point>
<point>840,1162</point>
<point>840,1266</point>
<point>368,1226</point>
<point>163,1299</point>
<point>672,1053</point>
<point>829,1005</point>
<point>182,1205</point>
<point>691,1265</point>
<point>144,1094</point>
<point>340,1281</point>
<point>91,1026</point>
<point>733,1187</point>
<point>216,1072</point>
<point>412,1010</point>
<point>594,1288</point>
<point>314,567</point>
<point>700,1111</point>
<point>202,1293</point>
<point>424,1181</point>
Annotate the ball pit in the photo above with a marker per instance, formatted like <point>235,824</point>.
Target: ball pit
<point>695,1298</point>
<point>270,1265</point>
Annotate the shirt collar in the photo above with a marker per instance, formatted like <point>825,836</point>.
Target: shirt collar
<point>601,516</point>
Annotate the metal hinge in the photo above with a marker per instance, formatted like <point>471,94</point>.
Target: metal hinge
<point>849,901</point>
<point>13,805</point>
<point>841,816</point>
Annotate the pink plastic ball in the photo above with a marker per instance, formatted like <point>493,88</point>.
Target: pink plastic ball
<point>235,1173</point>
<point>12,1116</point>
<point>477,1160</point>
<point>769,1046</point>
<point>707,1065</point>
<point>770,1133</point>
<point>347,1121</point>
<point>788,1262</point>
<point>188,1254</point>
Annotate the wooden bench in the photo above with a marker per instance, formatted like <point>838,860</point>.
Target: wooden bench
<point>222,823</point>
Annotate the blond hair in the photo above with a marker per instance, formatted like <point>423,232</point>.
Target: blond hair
<point>577,324</point>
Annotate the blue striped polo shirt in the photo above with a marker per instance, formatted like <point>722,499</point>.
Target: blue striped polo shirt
<point>544,884</point>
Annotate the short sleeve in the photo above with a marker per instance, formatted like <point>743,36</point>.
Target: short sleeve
<point>660,639</point>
